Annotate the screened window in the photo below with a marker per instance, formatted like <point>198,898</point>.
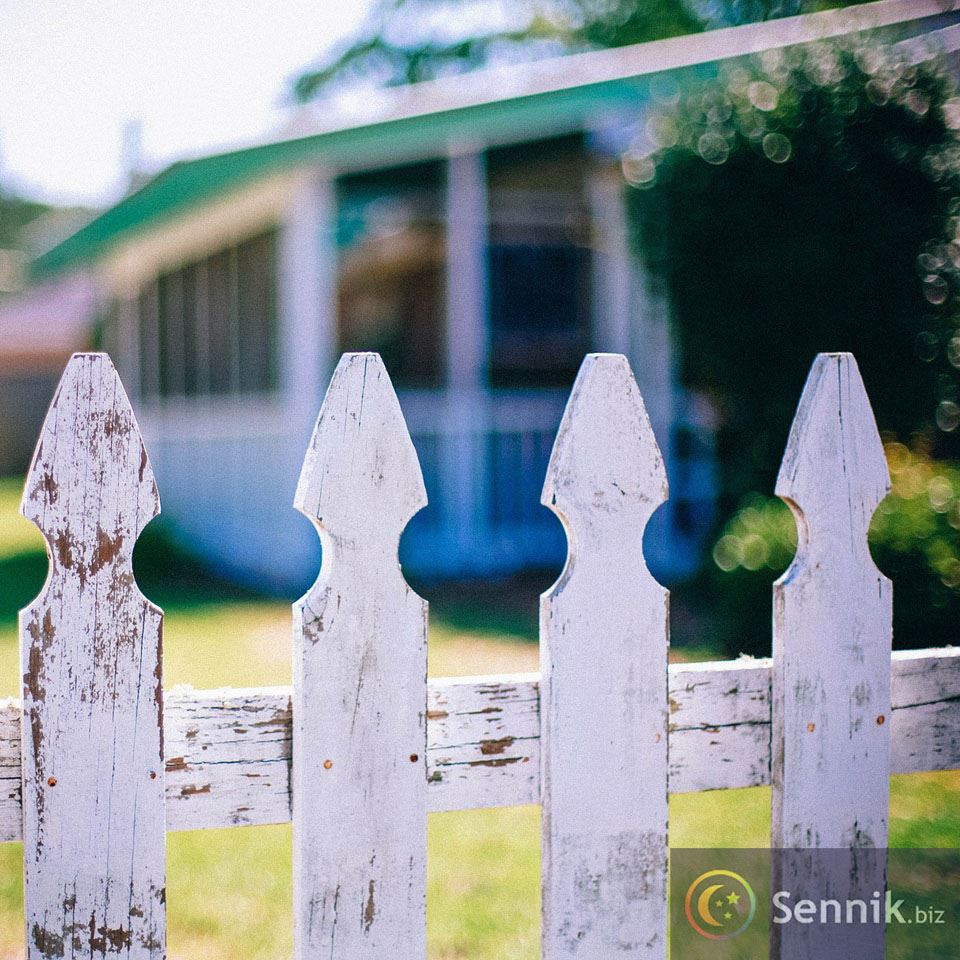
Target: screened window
<point>210,327</point>
<point>539,262</point>
<point>391,269</point>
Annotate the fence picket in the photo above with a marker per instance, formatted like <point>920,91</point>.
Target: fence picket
<point>360,691</point>
<point>831,650</point>
<point>93,778</point>
<point>604,639</point>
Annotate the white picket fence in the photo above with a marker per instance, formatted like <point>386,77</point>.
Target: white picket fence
<point>97,764</point>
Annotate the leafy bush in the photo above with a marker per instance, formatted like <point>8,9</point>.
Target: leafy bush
<point>914,539</point>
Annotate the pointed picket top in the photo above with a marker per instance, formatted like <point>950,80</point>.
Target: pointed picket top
<point>606,465</point>
<point>92,741</point>
<point>91,408</point>
<point>604,637</point>
<point>360,472</point>
<point>834,469</point>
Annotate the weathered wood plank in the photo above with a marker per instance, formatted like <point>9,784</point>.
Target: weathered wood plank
<point>483,742</point>
<point>11,812</point>
<point>228,751</point>
<point>93,776</point>
<point>228,757</point>
<point>719,725</point>
<point>359,791</point>
<point>925,697</point>
<point>832,637</point>
<point>603,653</point>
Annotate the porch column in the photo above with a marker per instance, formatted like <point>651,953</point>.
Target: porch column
<point>611,263</point>
<point>307,287</point>
<point>127,344</point>
<point>651,351</point>
<point>464,454</point>
<point>632,316</point>
<point>466,341</point>
<point>121,334</point>
<point>652,357</point>
<point>631,313</point>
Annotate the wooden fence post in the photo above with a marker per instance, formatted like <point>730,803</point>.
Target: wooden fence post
<point>360,685</point>
<point>832,638</point>
<point>93,779</point>
<point>604,640</point>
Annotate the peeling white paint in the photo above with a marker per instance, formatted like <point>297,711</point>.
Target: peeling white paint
<point>603,646</point>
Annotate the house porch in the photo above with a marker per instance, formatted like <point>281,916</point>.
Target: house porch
<point>483,277</point>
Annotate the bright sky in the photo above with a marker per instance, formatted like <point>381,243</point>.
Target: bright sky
<point>197,73</point>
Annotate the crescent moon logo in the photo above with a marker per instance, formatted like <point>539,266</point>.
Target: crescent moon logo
<point>720,904</point>
<point>703,904</point>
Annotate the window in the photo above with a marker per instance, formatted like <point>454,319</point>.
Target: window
<point>391,270</point>
<point>210,327</point>
<point>539,263</point>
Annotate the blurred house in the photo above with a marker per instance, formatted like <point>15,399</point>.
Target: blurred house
<point>472,230</point>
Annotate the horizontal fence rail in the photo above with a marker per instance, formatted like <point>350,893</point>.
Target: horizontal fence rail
<point>228,751</point>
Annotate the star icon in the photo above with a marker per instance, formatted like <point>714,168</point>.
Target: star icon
<point>728,915</point>
<point>733,898</point>
<point>719,903</point>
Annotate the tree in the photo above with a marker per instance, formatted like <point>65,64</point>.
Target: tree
<point>810,201</point>
<point>405,41</point>
<point>805,203</point>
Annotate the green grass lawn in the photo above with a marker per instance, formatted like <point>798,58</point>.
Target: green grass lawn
<point>229,890</point>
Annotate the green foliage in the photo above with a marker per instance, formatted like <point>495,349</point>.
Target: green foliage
<point>914,538</point>
<point>788,209</point>
<point>405,41</point>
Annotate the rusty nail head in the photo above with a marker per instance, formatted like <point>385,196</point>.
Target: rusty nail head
<point>51,781</point>
<point>413,758</point>
<point>881,720</point>
<point>327,764</point>
<point>811,727</point>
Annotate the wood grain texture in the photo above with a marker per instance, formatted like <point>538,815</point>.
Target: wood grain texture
<point>93,778</point>
<point>832,637</point>
<point>361,747</point>
<point>360,685</point>
<point>925,733</point>
<point>228,757</point>
<point>228,751</point>
<point>483,742</point>
<point>832,624</point>
<point>603,646</point>
<point>483,737</point>
<point>719,725</point>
